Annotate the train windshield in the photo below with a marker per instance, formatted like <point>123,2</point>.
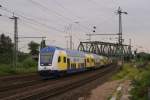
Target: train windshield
<point>46,58</point>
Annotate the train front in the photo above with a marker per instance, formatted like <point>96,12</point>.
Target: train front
<point>46,61</point>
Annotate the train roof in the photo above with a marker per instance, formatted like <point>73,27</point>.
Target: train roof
<point>69,52</point>
<point>50,49</point>
<point>75,53</point>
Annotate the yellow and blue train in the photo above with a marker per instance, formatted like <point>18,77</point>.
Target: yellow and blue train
<point>55,61</point>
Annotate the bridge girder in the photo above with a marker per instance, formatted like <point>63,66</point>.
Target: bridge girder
<point>106,49</point>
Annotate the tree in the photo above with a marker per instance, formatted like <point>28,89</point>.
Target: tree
<point>5,43</point>
<point>6,49</point>
<point>33,47</point>
<point>43,44</point>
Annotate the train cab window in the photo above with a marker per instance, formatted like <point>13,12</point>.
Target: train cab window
<point>59,59</point>
<point>64,59</point>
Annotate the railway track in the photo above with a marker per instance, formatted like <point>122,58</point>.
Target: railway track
<point>42,90</point>
<point>17,81</point>
<point>17,77</point>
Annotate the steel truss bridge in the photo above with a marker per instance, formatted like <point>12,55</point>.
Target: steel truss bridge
<point>106,49</point>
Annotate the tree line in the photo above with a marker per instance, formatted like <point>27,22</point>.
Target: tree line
<point>7,49</point>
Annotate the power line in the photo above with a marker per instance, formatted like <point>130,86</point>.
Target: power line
<point>31,20</point>
<point>63,7</point>
<point>31,27</point>
<point>8,10</point>
<point>58,14</point>
<point>50,10</point>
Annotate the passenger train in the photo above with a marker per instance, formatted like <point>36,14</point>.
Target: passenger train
<point>55,61</point>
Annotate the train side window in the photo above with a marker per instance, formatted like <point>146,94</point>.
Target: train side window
<point>64,59</point>
<point>59,59</point>
<point>92,60</point>
<point>75,65</point>
<point>87,59</point>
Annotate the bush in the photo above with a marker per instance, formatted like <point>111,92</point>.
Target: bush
<point>128,71</point>
<point>6,69</point>
<point>26,66</point>
<point>29,62</point>
<point>140,77</point>
<point>141,85</point>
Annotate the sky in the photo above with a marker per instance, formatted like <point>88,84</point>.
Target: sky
<point>57,19</point>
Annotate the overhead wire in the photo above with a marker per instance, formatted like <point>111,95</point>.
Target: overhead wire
<point>49,10</point>
<point>30,19</point>
<point>63,7</point>
<point>28,24</point>
<point>93,2</point>
<point>57,13</point>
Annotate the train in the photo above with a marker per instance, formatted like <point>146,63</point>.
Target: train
<point>56,61</point>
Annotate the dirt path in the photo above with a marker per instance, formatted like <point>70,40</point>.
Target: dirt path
<point>106,90</point>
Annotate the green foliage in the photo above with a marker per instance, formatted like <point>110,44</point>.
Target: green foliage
<point>141,85</point>
<point>43,44</point>
<point>33,47</point>
<point>142,56</point>
<point>128,71</point>
<point>25,63</point>
<point>22,56</point>
<point>26,66</point>
<point>140,77</point>
<point>29,62</point>
<point>6,69</point>
<point>6,49</point>
<point>5,43</point>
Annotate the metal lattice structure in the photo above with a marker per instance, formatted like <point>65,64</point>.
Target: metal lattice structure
<point>106,49</point>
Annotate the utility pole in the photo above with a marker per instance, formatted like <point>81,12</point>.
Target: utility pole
<point>120,12</point>
<point>120,40</point>
<point>69,30</point>
<point>130,42</point>
<point>130,45</point>
<point>70,36</point>
<point>70,42</point>
<point>15,56</point>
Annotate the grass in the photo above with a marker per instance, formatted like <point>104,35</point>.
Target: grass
<point>139,74</point>
<point>26,66</point>
<point>128,71</point>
